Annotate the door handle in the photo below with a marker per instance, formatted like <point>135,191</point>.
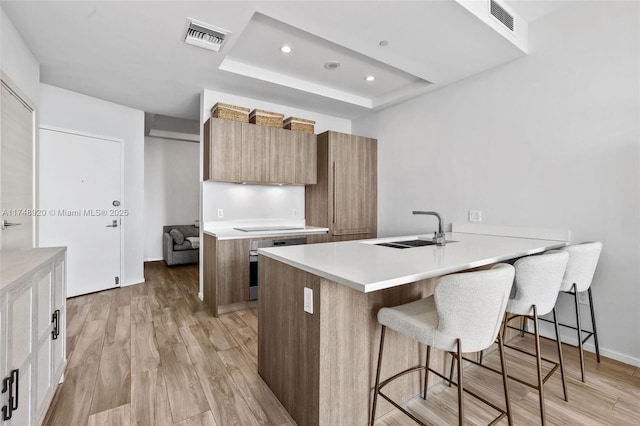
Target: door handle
<point>4,224</point>
<point>114,224</point>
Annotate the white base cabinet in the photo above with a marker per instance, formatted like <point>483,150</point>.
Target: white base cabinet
<point>32,332</point>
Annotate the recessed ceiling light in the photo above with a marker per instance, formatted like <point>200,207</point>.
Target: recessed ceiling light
<point>285,49</point>
<point>332,65</point>
<point>369,78</point>
<point>383,43</point>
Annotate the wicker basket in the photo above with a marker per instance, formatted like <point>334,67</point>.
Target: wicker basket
<point>300,124</point>
<point>266,118</point>
<point>230,112</point>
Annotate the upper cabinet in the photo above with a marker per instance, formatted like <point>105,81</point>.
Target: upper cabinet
<point>345,198</point>
<point>243,152</point>
<point>306,152</point>
<point>222,150</point>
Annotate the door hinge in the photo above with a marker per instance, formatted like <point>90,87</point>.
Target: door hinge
<point>117,279</point>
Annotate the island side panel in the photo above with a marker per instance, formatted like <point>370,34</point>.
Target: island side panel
<point>209,271</point>
<point>349,344</point>
<point>321,366</point>
<point>289,338</point>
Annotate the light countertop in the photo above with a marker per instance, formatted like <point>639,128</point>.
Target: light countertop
<point>234,234</point>
<point>366,267</point>
<point>16,264</point>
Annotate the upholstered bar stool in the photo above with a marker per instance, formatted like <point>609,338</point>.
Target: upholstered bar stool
<point>583,259</point>
<point>535,291</point>
<point>463,315</point>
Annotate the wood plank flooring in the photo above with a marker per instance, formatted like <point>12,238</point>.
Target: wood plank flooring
<point>150,354</point>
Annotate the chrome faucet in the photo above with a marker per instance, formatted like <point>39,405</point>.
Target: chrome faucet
<point>438,237</point>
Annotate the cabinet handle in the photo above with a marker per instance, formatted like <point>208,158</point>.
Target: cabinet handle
<point>15,374</point>
<point>12,401</point>
<point>56,324</point>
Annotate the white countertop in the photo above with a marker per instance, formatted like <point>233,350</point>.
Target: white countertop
<point>16,264</point>
<point>234,234</point>
<point>366,267</point>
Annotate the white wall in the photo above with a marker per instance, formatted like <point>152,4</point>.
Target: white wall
<point>258,201</point>
<point>73,111</point>
<point>550,140</point>
<point>17,61</point>
<point>171,189</point>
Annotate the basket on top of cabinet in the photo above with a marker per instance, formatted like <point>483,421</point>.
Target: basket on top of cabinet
<point>230,112</point>
<point>300,124</point>
<point>266,118</point>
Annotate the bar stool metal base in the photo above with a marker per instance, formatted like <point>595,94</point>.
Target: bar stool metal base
<point>539,358</point>
<point>457,358</point>
<point>578,328</point>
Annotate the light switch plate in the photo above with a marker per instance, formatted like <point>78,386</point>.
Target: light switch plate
<point>220,213</point>
<point>308,300</point>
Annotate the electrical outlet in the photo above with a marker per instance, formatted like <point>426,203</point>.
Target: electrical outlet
<point>308,300</point>
<point>583,298</point>
<point>475,216</point>
<point>220,213</point>
<point>295,213</point>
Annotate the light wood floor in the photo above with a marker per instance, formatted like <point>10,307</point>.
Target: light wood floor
<point>149,354</point>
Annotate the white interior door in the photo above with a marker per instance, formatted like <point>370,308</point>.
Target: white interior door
<point>16,169</point>
<point>80,190</point>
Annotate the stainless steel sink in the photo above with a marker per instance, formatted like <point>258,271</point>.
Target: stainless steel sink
<point>409,244</point>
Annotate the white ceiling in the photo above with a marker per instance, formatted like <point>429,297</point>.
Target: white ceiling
<point>132,52</point>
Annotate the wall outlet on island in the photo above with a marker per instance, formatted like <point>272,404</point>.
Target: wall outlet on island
<point>475,216</point>
<point>308,300</point>
<point>220,213</point>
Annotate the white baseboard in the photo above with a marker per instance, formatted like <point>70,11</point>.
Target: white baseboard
<point>153,259</point>
<point>571,339</point>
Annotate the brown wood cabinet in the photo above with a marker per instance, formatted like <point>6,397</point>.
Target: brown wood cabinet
<point>243,152</point>
<point>226,272</point>
<point>282,156</point>
<point>345,197</point>
<point>306,163</point>
<point>222,150</point>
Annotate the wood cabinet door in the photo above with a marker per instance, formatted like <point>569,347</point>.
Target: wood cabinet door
<point>19,348</point>
<point>306,158</point>
<point>282,155</point>
<point>3,339</point>
<point>60,304</point>
<point>353,169</point>
<point>232,274</point>
<point>43,343</point>
<point>222,150</point>
<point>255,153</point>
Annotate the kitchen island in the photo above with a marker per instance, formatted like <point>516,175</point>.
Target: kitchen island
<point>321,364</point>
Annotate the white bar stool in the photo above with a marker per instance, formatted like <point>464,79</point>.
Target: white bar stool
<point>583,259</point>
<point>463,315</point>
<point>535,291</point>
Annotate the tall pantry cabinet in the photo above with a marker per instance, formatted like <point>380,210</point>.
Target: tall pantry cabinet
<point>345,197</point>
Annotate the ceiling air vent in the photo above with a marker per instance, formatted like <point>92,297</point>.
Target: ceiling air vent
<point>205,35</point>
<point>501,15</point>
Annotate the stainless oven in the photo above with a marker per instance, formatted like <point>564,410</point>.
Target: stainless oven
<point>254,245</point>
